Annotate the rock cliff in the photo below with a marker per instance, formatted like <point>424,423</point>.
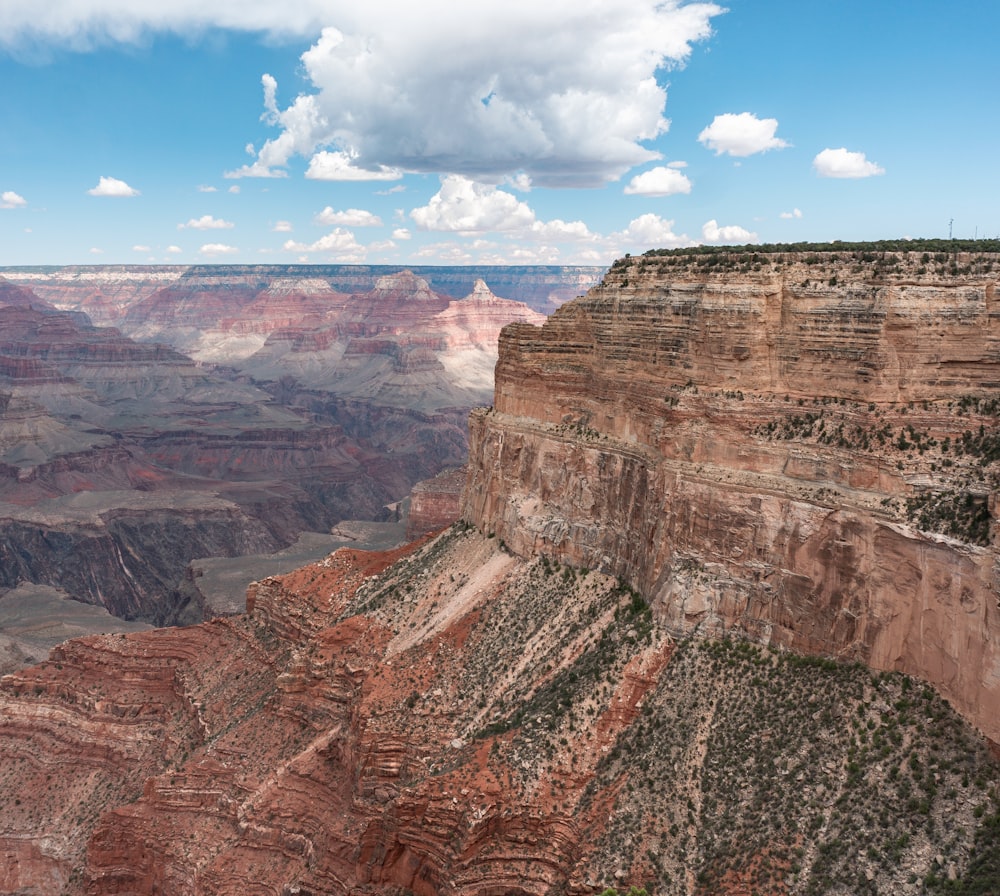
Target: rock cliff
<point>630,665</point>
<point>801,448</point>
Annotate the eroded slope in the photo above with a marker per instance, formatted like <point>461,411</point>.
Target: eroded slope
<point>464,721</point>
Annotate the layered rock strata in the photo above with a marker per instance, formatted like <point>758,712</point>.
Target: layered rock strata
<point>121,461</point>
<point>806,461</point>
<point>453,719</point>
<point>435,503</point>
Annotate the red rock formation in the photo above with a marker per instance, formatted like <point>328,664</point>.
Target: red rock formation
<point>435,503</point>
<point>666,428</point>
<point>472,716</point>
<point>441,719</point>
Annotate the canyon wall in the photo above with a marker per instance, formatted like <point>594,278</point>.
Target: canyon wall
<point>802,450</point>
<point>121,460</point>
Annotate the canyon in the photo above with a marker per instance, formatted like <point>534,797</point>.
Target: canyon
<point>125,454</point>
<point>717,616</point>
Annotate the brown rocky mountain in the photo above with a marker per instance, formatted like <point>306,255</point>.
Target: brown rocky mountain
<point>123,460</point>
<point>709,523</point>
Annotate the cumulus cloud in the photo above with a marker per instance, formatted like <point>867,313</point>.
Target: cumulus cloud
<point>488,90</point>
<point>741,135</point>
<point>327,165</point>
<point>206,222</point>
<point>650,231</point>
<point>83,24</point>
<point>111,186</point>
<point>218,249</point>
<point>174,250</point>
<point>10,199</point>
<point>794,213</point>
<point>401,233</point>
<point>141,249</point>
<point>659,181</point>
<point>352,217</point>
<point>464,206</point>
<point>339,244</point>
<point>733,234</point>
<point>842,163</point>
<point>282,227</point>
<point>203,188</point>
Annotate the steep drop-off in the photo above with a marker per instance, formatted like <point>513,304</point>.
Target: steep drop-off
<point>799,448</point>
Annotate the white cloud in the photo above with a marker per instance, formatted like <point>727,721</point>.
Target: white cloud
<point>328,165</point>
<point>339,244</point>
<point>560,231</point>
<point>660,181</point>
<point>520,182</point>
<point>141,249</point>
<point>233,189</point>
<point>464,206</point>
<point>488,89</point>
<point>84,24</point>
<point>842,163</point>
<point>447,252</point>
<point>677,164</point>
<point>733,234</point>
<point>218,249</point>
<point>111,186</point>
<point>207,222</point>
<point>650,231</point>
<point>794,213</point>
<point>206,189</point>
<point>174,250</point>
<point>352,217</point>
<point>96,251</point>
<point>741,135</point>
<point>282,227</point>
<point>10,199</point>
<point>401,233</point>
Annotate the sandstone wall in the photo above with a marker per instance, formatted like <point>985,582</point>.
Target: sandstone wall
<point>658,429</point>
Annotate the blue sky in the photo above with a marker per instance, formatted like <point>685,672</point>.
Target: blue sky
<point>495,132</point>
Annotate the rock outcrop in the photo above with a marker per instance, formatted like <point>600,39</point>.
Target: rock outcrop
<point>435,503</point>
<point>452,719</point>
<point>806,461</point>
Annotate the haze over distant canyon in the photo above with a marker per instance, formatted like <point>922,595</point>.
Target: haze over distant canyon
<point>154,416</point>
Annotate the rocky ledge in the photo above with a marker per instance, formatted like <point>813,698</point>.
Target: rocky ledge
<point>799,447</point>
